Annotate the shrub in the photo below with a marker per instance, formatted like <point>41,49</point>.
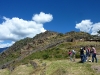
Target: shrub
<point>45,56</point>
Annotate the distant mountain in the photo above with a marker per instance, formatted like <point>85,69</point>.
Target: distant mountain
<point>2,49</point>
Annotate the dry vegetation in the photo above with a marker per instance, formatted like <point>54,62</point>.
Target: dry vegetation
<point>56,67</point>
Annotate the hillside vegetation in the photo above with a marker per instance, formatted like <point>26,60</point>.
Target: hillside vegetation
<point>42,54</point>
<point>55,67</point>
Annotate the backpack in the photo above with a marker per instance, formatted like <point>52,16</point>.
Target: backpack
<point>69,53</point>
<point>74,52</point>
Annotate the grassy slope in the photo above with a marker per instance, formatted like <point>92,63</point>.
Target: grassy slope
<point>55,67</point>
<point>70,68</point>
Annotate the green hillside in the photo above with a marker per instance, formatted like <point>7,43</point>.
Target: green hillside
<point>47,54</point>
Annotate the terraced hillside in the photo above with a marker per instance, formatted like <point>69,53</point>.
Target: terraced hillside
<point>45,46</point>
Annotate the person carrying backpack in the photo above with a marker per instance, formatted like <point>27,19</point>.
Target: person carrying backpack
<point>73,54</point>
<point>70,55</point>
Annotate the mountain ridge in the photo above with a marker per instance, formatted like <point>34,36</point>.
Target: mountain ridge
<point>49,39</point>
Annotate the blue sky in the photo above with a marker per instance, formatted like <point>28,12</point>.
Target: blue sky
<point>26,18</point>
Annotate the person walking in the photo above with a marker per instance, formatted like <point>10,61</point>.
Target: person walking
<point>85,58</point>
<point>82,54</point>
<point>94,54</point>
<point>87,53</point>
<point>70,55</point>
<point>73,54</point>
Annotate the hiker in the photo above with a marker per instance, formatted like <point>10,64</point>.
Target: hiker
<point>90,56</point>
<point>94,54</point>
<point>73,54</point>
<point>89,53</point>
<point>70,55</point>
<point>82,54</point>
<point>85,58</point>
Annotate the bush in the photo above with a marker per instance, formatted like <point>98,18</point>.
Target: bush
<point>77,55</point>
<point>58,56</point>
<point>45,56</point>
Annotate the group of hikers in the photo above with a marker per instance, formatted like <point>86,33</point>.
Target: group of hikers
<point>86,54</point>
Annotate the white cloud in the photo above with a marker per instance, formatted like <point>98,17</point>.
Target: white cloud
<point>2,45</point>
<point>95,28</point>
<point>15,28</point>
<point>42,17</point>
<point>88,26</point>
<point>85,25</point>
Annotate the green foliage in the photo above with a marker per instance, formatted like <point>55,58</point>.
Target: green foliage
<point>53,53</point>
<point>77,55</point>
<point>45,56</point>
<point>10,57</point>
